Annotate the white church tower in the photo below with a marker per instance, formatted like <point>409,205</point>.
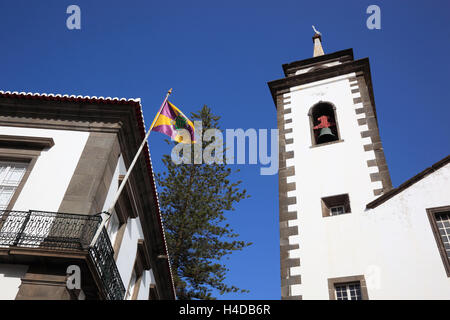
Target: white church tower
<point>345,233</point>
<point>331,164</point>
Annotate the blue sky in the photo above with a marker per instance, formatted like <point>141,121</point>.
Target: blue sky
<point>223,54</point>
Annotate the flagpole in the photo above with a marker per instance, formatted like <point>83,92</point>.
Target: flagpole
<point>127,175</point>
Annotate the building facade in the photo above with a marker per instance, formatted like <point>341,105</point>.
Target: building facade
<point>345,233</point>
<point>61,161</point>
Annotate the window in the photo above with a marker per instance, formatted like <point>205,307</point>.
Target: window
<point>18,156</point>
<point>337,210</point>
<point>349,291</point>
<point>323,122</point>
<point>440,224</point>
<point>11,175</point>
<point>335,205</point>
<point>348,288</point>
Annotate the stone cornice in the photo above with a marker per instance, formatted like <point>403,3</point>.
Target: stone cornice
<point>283,85</point>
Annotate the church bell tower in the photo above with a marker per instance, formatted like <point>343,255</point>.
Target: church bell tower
<point>331,164</point>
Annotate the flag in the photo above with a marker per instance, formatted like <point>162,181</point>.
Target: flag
<point>171,121</point>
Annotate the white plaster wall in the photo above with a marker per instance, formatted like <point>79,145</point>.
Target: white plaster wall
<point>393,245</point>
<point>10,280</point>
<point>133,232</point>
<point>50,177</point>
<point>323,171</point>
<point>128,249</point>
<point>400,244</point>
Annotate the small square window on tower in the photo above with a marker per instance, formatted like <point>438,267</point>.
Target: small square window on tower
<point>335,205</point>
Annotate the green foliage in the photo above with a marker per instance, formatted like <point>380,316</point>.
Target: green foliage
<point>194,198</point>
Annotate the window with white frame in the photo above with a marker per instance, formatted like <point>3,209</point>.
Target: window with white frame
<point>131,285</point>
<point>113,227</point>
<point>348,291</point>
<point>337,210</point>
<point>11,174</point>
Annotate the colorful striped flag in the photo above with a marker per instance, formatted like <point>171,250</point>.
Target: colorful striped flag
<point>171,121</point>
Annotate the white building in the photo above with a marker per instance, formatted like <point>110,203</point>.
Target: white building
<point>345,233</point>
<point>61,160</point>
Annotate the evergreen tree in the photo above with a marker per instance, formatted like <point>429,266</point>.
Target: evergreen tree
<point>194,199</point>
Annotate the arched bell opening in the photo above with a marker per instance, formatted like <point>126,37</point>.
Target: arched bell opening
<point>324,127</point>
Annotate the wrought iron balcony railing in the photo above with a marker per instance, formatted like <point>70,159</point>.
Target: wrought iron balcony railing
<point>62,231</point>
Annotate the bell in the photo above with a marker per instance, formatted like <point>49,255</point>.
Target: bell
<point>325,135</point>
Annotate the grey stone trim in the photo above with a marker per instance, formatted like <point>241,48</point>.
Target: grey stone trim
<point>341,56</point>
<point>377,192</point>
<point>372,163</point>
<point>291,280</point>
<point>375,177</point>
<point>362,121</point>
<point>299,297</point>
<point>285,131</point>
<point>357,100</point>
<point>286,187</point>
<point>90,182</point>
<point>285,216</point>
<point>288,247</point>
<point>288,201</point>
<point>289,231</point>
<point>289,141</point>
<point>284,201</point>
<point>370,120</point>
<point>289,263</point>
<point>287,172</point>
<point>290,186</point>
<point>289,154</point>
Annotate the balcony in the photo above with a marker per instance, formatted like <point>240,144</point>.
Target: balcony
<point>69,235</point>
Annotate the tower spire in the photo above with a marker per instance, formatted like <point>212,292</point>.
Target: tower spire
<point>317,40</point>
